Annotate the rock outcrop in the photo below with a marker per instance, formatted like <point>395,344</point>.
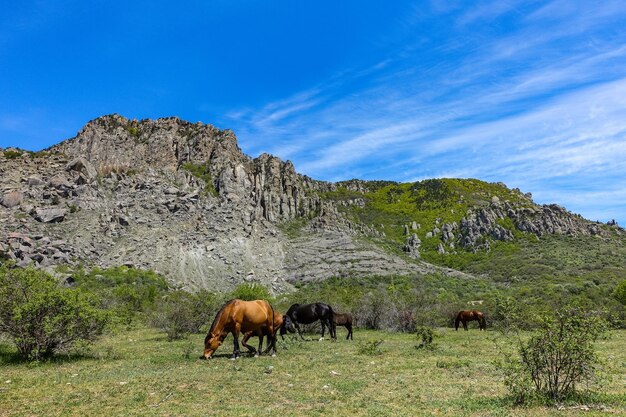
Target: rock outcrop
<point>480,224</point>
<point>181,198</point>
<point>126,192</point>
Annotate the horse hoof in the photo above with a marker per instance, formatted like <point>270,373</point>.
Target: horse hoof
<point>273,355</point>
<point>321,338</point>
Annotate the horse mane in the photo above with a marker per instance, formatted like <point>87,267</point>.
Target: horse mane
<point>218,316</point>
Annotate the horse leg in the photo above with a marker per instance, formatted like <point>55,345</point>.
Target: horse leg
<point>322,322</point>
<point>244,341</point>
<point>331,327</point>
<point>236,351</point>
<point>271,344</point>
<point>349,336</point>
<point>260,345</point>
<point>464,324</point>
<point>295,323</point>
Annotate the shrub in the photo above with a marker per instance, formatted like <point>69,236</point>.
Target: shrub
<point>41,317</point>
<point>125,291</point>
<point>12,154</point>
<point>203,172</point>
<point>405,318</point>
<point>371,348</point>
<point>375,310</point>
<point>507,315</point>
<point>249,292</point>
<point>620,292</point>
<point>425,336</point>
<point>558,357</point>
<point>181,313</point>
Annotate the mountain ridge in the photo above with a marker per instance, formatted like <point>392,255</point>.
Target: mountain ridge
<point>183,199</point>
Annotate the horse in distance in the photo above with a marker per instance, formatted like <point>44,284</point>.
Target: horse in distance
<point>345,320</point>
<point>470,315</point>
<point>310,313</point>
<point>238,316</point>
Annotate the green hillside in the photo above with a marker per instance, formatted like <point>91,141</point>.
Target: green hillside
<point>551,262</point>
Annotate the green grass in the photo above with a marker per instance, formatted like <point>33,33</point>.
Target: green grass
<point>139,373</point>
<point>202,172</point>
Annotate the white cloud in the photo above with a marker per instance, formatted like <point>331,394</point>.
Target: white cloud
<point>537,108</point>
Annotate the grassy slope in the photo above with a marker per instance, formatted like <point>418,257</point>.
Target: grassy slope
<point>528,259</point>
<point>139,373</point>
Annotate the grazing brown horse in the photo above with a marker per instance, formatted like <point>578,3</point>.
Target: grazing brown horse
<point>468,315</point>
<point>279,322</point>
<point>238,316</point>
<point>344,319</point>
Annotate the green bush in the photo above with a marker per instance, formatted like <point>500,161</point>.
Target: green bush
<point>507,316</point>
<point>249,292</point>
<point>11,154</point>
<point>203,172</point>
<point>425,336</point>
<point>557,358</point>
<point>41,317</point>
<point>371,348</point>
<point>127,292</point>
<point>620,292</point>
<point>181,313</point>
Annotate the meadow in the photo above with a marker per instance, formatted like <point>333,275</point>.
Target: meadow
<point>138,372</point>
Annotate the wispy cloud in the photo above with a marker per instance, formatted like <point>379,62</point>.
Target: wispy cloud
<point>542,107</point>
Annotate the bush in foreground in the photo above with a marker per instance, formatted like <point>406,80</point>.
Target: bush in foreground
<point>41,317</point>
<point>557,358</point>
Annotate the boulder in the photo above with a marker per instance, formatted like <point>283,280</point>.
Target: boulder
<point>82,166</point>
<point>12,199</point>
<point>34,181</point>
<point>50,215</point>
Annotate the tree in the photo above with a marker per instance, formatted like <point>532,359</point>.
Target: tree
<point>43,318</point>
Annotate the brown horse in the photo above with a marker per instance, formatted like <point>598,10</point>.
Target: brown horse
<point>237,316</point>
<point>468,315</point>
<point>344,319</point>
<point>279,322</point>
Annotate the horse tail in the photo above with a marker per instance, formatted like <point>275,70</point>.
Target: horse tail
<point>457,321</point>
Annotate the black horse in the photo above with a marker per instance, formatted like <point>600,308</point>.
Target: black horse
<point>310,313</point>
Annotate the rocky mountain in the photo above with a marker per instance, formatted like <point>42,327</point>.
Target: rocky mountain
<point>183,199</point>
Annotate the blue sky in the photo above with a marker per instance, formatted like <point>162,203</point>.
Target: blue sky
<point>532,94</point>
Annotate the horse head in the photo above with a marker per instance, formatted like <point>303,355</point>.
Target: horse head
<point>211,343</point>
<point>287,326</point>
